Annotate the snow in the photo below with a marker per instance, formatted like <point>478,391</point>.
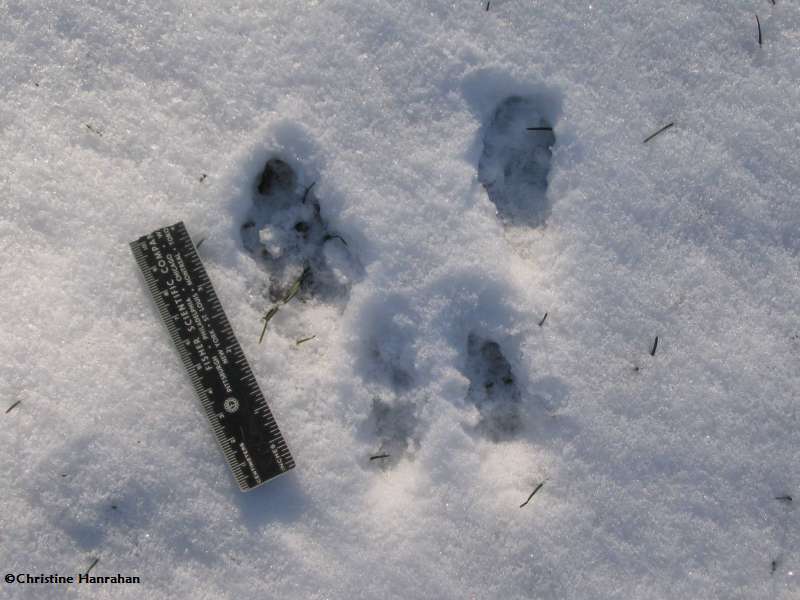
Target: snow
<point>661,472</point>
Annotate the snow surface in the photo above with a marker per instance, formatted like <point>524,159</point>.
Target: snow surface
<point>661,472</point>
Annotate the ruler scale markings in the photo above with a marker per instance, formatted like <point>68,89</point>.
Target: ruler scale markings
<point>237,411</point>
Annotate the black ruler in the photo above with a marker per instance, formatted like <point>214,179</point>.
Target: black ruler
<point>239,415</point>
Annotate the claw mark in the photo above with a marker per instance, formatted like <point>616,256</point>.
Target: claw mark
<point>533,493</point>
<point>544,318</point>
<point>13,406</point>
<point>784,498</point>
<point>377,456</point>
<point>304,340</point>
<point>308,189</point>
<point>329,236</point>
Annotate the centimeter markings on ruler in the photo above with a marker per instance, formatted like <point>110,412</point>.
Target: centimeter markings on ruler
<point>239,414</point>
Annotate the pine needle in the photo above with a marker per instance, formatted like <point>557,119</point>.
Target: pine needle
<point>662,130</point>
<point>533,493</point>
<point>758,23</point>
<point>96,560</point>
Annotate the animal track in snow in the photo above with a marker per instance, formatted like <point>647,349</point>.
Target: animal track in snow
<point>515,162</point>
<point>73,499</point>
<point>493,389</point>
<point>386,363</point>
<point>285,230</point>
<point>395,426</point>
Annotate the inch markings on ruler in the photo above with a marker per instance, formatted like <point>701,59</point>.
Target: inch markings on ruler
<point>239,415</point>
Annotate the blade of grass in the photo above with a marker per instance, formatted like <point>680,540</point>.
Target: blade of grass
<point>296,286</point>
<point>289,295</point>
<point>266,318</point>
